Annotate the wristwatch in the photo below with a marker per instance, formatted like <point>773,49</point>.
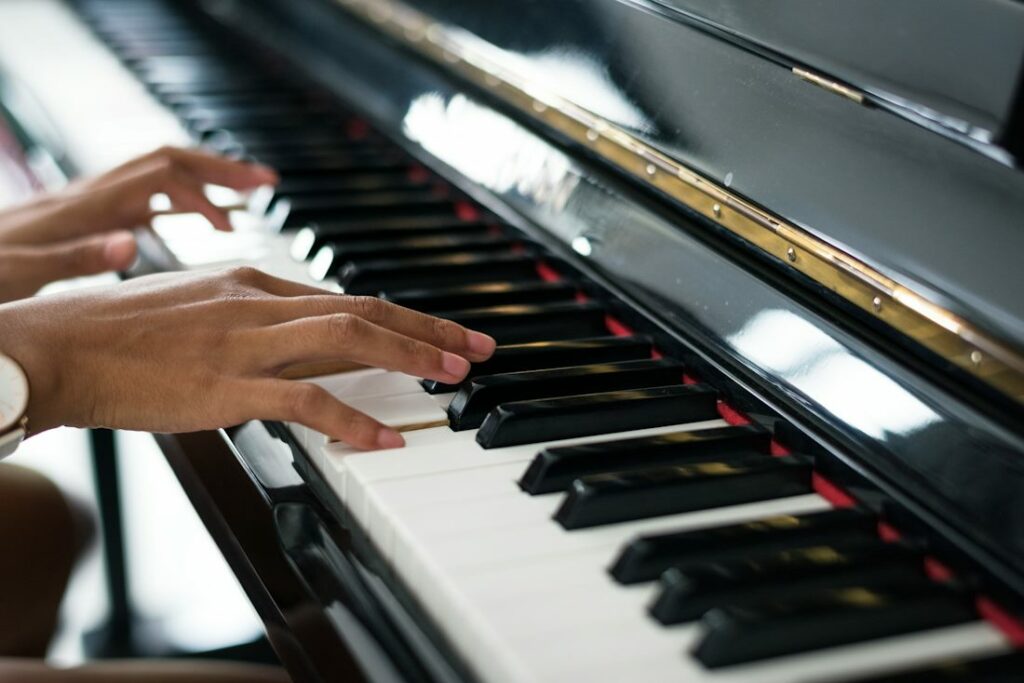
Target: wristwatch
<point>13,404</point>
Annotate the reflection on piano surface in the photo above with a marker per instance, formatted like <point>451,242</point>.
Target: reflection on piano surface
<point>684,462</point>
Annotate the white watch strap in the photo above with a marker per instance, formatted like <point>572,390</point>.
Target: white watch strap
<point>10,441</point>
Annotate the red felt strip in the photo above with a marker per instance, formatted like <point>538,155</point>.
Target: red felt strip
<point>466,211</point>
<point>831,492</point>
<point>731,415</point>
<point>1011,627</point>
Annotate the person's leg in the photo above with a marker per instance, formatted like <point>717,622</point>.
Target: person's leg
<point>34,671</point>
<point>39,543</point>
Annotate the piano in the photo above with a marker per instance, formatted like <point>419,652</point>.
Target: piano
<point>754,273</point>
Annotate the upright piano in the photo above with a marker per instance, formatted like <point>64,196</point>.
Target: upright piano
<point>754,270</point>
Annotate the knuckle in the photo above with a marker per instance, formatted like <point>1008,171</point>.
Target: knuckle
<point>246,275</point>
<point>366,307</point>
<point>412,349</point>
<point>344,327</point>
<point>442,329</point>
<point>303,399</point>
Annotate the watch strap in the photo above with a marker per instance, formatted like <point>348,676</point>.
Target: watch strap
<point>10,440</point>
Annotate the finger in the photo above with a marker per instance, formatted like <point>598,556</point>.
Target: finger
<point>218,170</point>
<point>314,407</point>
<point>77,257</point>
<point>438,332</point>
<point>187,195</point>
<point>349,337</point>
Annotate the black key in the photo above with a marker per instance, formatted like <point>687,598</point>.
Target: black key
<point>264,199</point>
<point>297,211</point>
<point>296,168</point>
<point>332,257</point>
<point>372,277</point>
<point>270,111</point>
<point>735,635</point>
<point>298,165</point>
<point>279,116</point>
<point>623,496</point>
<point>312,238</point>
<point>211,87</point>
<point>259,143</point>
<point>474,400</point>
<point>553,469</point>
<point>686,594</point>
<point>540,322</point>
<point>189,103</point>
<point>1008,668</point>
<point>550,419</point>
<point>483,295</point>
<point>645,558</point>
<point>552,354</point>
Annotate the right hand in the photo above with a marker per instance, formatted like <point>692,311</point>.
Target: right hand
<point>183,352</point>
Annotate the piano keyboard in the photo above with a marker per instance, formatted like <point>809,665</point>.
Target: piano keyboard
<point>581,507</point>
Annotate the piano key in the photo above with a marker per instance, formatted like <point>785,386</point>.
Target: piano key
<point>296,167</point>
<point>554,469</point>
<point>460,452</point>
<point>356,206</point>
<point>311,164</point>
<point>393,397</point>
<point>476,398</point>
<point>552,354</point>
<point>734,635</point>
<point>685,595</point>
<point>374,276</point>
<point>264,199</point>
<point>644,559</point>
<point>619,497</point>
<point>211,87</point>
<point>474,518</point>
<point>258,143</point>
<point>482,295</point>
<point>240,118</point>
<point>1006,668</point>
<point>451,543</point>
<point>513,324</point>
<point>186,103</point>
<point>560,418</point>
<point>333,257</point>
<point>312,238</point>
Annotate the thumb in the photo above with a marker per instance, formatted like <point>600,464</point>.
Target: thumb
<point>86,255</point>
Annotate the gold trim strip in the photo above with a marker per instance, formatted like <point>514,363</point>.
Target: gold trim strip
<point>832,86</point>
<point>951,337</point>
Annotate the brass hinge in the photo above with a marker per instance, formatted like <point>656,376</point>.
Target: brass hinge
<point>832,86</point>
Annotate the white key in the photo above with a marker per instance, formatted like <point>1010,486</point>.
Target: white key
<point>394,398</point>
<point>535,535</point>
<point>422,456</point>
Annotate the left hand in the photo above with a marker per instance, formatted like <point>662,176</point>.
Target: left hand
<point>82,230</point>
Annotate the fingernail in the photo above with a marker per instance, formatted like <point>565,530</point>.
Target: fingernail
<point>481,344</point>
<point>119,250</point>
<point>455,366</point>
<point>389,438</point>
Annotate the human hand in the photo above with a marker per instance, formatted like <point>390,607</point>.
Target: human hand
<point>120,199</point>
<point>26,268</point>
<point>183,352</point>
<point>82,230</point>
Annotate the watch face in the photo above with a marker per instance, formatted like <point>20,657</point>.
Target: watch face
<point>13,393</point>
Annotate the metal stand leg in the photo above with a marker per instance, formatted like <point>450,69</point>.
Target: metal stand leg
<point>116,638</point>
